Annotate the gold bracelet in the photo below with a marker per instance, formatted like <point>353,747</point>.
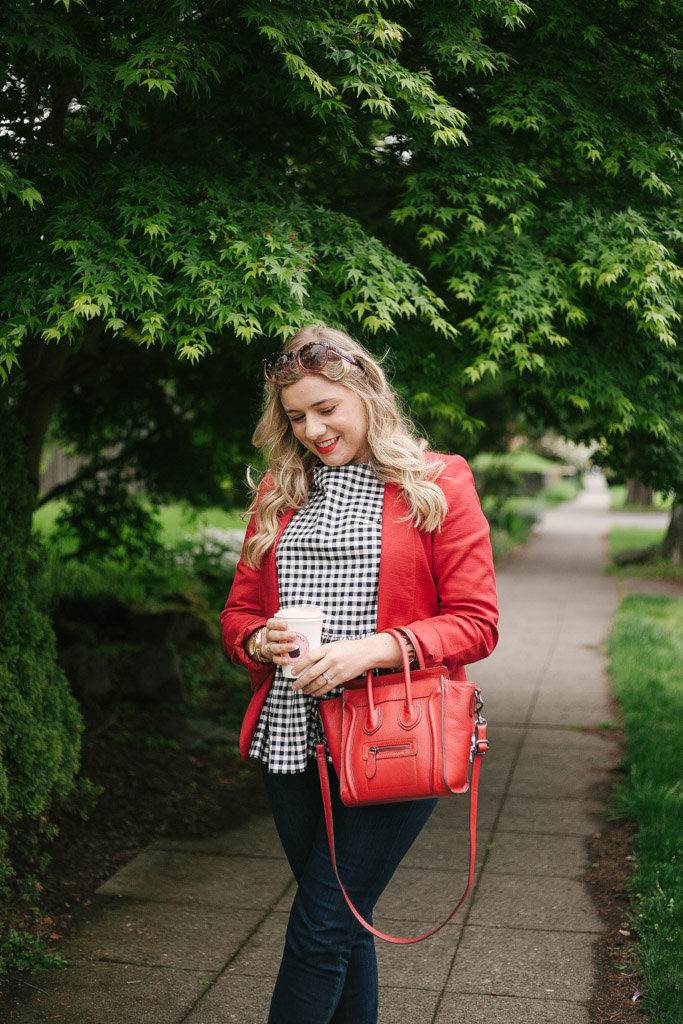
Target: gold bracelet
<point>413,660</point>
<point>412,655</point>
<point>254,642</point>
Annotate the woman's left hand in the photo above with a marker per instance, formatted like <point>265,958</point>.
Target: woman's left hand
<point>322,668</point>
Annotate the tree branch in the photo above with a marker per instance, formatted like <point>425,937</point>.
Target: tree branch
<point>92,469</point>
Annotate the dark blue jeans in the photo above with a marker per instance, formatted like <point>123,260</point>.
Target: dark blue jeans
<point>328,973</point>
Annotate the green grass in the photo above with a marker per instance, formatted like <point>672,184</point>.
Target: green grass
<point>45,517</point>
<point>177,520</point>
<point>646,651</point>
<point>632,538</point>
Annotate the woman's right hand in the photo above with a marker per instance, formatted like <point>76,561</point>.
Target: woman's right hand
<point>277,642</point>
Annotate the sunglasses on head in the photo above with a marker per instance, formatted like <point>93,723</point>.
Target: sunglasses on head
<point>311,359</point>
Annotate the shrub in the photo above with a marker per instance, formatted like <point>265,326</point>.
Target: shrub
<point>26,952</point>
<point>511,520</point>
<point>104,518</point>
<point>39,719</point>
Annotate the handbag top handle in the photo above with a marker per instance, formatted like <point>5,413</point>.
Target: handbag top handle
<point>409,715</point>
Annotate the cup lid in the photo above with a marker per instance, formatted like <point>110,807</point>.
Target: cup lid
<point>300,611</point>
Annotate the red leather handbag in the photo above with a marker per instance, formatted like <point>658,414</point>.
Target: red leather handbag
<point>399,737</point>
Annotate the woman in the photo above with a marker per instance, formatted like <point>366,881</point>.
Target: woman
<point>354,515</point>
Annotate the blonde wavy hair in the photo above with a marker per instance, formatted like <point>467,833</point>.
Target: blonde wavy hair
<point>397,453</point>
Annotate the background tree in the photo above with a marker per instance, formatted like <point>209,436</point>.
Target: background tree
<point>152,429</point>
<point>160,209</point>
<point>525,161</point>
<point>559,226</point>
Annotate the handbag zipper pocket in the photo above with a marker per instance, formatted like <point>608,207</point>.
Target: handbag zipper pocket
<point>376,752</point>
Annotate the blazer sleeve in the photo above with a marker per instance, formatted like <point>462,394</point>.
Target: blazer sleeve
<point>243,613</point>
<point>465,628</point>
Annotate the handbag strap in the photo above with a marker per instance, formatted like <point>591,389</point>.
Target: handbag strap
<point>329,823</point>
<point>409,715</point>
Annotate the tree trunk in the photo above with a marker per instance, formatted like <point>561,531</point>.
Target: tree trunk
<point>638,494</point>
<point>47,369</point>
<point>673,542</point>
<point>44,371</point>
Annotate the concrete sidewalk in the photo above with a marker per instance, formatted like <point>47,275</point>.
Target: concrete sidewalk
<point>192,931</point>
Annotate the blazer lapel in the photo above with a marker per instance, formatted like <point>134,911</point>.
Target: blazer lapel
<point>397,564</point>
<point>270,590</point>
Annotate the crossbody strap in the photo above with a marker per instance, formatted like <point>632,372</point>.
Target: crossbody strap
<point>329,823</point>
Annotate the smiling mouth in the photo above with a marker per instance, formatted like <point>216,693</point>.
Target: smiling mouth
<point>326,446</point>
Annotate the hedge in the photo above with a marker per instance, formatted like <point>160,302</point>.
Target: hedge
<point>40,724</point>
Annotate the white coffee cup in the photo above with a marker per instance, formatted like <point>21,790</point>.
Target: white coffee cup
<point>306,621</point>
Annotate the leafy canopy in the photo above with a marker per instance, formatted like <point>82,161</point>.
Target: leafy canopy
<point>153,150</point>
<point>505,174</point>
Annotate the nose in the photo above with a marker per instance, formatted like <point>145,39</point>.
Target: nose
<point>315,427</point>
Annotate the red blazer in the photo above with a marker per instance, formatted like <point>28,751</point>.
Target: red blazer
<point>440,585</point>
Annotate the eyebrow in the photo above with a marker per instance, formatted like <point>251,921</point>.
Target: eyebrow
<point>323,401</point>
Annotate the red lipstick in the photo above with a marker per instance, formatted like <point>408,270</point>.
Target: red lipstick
<point>327,448</point>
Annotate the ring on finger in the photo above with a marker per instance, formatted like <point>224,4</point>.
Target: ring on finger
<point>327,678</point>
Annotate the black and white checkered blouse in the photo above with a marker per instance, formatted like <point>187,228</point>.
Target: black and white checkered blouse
<point>327,556</point>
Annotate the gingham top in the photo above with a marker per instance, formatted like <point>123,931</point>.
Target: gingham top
<point>327,556</point>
